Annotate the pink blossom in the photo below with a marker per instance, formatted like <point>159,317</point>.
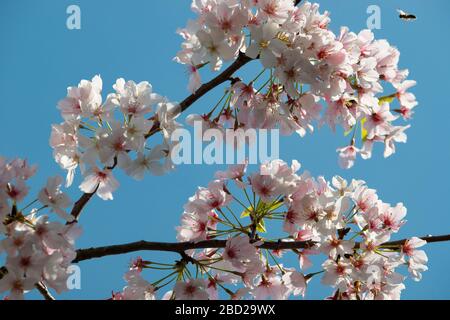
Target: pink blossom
<point>53,197</point>
<point>337,274</point>
<point>334,247</point>
<point>195,81</point>
<point>17,284</point>
<point>239,252</point>
<point>272,287</point>
<point>191,290</point>
<point>275,10</point>
<point>135,99</point>
<point>82,99</point>
<point>347,156</point>
<point>100,181</point>
<point>417,258</point>
<point>296,282</point>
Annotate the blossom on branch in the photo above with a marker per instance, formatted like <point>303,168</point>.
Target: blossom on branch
<point>94,137</point>
<point>344,220</point>
<point>36,249</point>
<point>307,66</point>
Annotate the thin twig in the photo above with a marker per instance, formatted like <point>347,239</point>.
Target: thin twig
<point>221,78</point>
<point>44,291</point>
<point>80,204</point>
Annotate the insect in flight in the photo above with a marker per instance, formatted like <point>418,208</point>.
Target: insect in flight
<point>406,16</point>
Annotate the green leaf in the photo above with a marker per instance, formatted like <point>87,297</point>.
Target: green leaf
<point>386,99</point>
<point>346,133</point>
<point>261,227</point>
<point>247,212</point>
<point>261,205</point>
<point>364,132</point>
<point>274,206</point>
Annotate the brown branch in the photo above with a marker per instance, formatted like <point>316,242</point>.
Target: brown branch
<point>44,291</point>
<point>3,272</point>
<point>80,204</point>
<point>221,78</point>
<point>180,247</point>
<point>428,239</point>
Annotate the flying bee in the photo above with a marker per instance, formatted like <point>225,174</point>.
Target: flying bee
<point>406,16</point>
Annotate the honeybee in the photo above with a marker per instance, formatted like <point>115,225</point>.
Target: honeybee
<point>406,16</point>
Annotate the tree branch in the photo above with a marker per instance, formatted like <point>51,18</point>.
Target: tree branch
<point>180,247</point>
<point>44,291</point>
<point>80,204</point>
<point>221,78</point>
<point>3,272</point>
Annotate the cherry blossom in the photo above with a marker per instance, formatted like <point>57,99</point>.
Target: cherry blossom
<point>36,249</point>
<point>100,181</point>
<point>347,156</point>
<point>137,288</point>
<point>314,75</point>
<point>417,258</point>
<point>191,290</point>
<point>310,77</point>
<point>275,10</point>
<point>343,220</point>
<point>93,136</point>
<point>270,287</point>
<point>135,99</point>
<point>239,252</point>
<point>82,100</point>
<point>263,41</point>
<point>53,197</point>
<point>148,162</point>
<point>296,282</point>
<point>16,284</point>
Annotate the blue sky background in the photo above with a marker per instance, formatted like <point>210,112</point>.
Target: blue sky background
<point>135,39</point>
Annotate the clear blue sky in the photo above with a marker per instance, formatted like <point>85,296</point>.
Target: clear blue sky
<point>136,39</point>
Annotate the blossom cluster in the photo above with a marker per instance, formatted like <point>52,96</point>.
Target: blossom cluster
<point>95,138</point>
<point>309,65</point>
<point>137,287</point>
<point>37,249</point>
<point>344,221</point>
